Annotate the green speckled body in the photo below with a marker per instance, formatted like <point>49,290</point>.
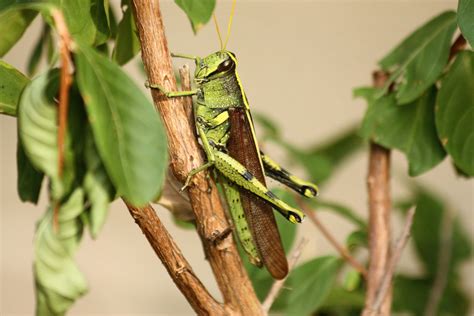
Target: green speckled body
<point>221,93</point>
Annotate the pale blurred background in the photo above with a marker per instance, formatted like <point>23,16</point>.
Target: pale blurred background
<point>298,61</point>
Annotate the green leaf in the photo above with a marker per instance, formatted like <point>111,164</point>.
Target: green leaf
<point>57,277</point>
<point>455,112</point>
<point>411,295</point>
<point>112,20</point>
<point>341,299</point>
<point>35,55</point>
<point>199,12</point>
<point>86,20</point>
<point>29,178</point>
<point>37,117</point>
<point>184,224</point>
<point>428,230</point>
<point>98,188</point>
<point>51,54</point>
<point>367,93</point>
<point>128,132</point>
<point>41,6</point>
<point>352,280</point>
<point>12,83</point>
<point>410,129</point>
<point>14,24</point>
<point>465,20</point>
<point>4,4</point>
<point>356,239</point>
<point>44,40</point>
<point>311,284</point>
<point>126,44</point>
<point>419,60</point>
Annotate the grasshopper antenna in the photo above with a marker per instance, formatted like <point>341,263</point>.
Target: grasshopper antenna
<point>218,30</point>
<point>229,25</point>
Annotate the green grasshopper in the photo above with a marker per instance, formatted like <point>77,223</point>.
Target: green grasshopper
<point>225,128</point>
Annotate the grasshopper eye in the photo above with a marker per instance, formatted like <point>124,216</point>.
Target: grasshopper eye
<point>226,65</point>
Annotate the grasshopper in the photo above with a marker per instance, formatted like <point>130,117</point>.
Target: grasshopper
<point>225,128</point>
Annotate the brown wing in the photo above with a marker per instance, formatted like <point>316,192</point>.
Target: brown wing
<point>242,147</point>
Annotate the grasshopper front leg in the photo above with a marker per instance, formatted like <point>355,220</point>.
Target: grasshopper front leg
<point>277,172</point>
<point>174,94</point>
<point>170,94</point>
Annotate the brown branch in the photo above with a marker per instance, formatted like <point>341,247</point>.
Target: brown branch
<point>378,185</point>
<point>185,77</point>
<point>65,84</point>
<point>185,155</point>
<point>379,223</point>
<point>345,254</point>
<point>278,284</point>
<point>177,266</point>
<point>397,252</point>
<point>444,258</point>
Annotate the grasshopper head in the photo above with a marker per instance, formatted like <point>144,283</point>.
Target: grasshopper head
<point>215,65</point>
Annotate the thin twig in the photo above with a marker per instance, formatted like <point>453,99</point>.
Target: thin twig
<point>278,284</point>
<point>185,155</point>
<point>397,252</point>
<point>345,254</point>
<point>445,249</point>
<point>177,266</point>
<point>65,84</point>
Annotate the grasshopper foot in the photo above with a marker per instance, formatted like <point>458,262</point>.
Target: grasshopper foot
<point>195,171</point>
<point>186,183</point>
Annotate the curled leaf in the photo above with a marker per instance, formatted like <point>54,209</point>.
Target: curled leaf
<point>57,277</point>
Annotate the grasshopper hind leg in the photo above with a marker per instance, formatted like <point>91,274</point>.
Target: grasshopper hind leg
<point>238,174</point>
<point>241,225</point>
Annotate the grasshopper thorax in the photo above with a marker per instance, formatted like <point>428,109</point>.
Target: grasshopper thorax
<point>215,65</point>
